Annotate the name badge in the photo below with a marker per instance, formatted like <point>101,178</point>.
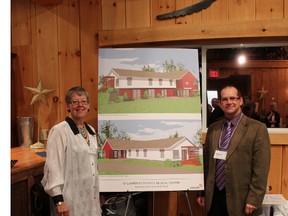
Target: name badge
<point>220,155</point>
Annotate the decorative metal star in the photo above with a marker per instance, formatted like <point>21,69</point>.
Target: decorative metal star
<point>263,92</point>
<point>39,93</point>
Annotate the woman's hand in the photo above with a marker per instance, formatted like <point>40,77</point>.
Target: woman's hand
<point>62,210</point>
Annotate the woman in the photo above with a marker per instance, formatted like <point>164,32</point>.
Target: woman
<point>272,119</point>
<point>70,172</point>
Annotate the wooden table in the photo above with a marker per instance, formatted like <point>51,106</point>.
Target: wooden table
<point>26,172</point>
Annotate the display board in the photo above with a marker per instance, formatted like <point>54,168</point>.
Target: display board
<point>149,120</point>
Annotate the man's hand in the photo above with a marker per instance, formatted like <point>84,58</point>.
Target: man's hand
<point>201,201</point>
<point>249,209</point>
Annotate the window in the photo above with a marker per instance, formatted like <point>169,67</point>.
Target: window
<point>145,152</point>
<point>150,81</point>
<point>129,81</point>
<point>161,153</point>
<point>248,77</point>
<point>115,154</point>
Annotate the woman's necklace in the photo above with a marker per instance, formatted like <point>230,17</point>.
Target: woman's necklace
<point>84,134</point>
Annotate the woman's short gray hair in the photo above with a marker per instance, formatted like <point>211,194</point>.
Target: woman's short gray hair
<point>79,91</point>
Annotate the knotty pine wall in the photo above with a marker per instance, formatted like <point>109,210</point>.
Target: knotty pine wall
<point>59,45</point>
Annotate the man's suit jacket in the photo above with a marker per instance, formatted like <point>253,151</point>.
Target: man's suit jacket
<point>247,165</point>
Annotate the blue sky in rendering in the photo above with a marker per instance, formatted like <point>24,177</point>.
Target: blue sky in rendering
<point>157,129</point>
<point>136,58</point>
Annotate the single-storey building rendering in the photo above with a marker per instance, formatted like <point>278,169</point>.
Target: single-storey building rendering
<point>174,149</point>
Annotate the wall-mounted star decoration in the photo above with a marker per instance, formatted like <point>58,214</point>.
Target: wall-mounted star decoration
<point>39,93</point>
<point>263,93</point>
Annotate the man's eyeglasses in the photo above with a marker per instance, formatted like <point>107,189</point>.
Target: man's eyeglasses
<point>233,99</point>
<point>76,102</point>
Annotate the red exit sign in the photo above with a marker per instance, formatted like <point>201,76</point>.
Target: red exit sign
<point>213,73</point>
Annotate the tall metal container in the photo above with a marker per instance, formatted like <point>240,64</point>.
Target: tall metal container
<point>25,131</point>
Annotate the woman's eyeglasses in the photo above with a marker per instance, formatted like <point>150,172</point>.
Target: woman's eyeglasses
<point>76,102</point>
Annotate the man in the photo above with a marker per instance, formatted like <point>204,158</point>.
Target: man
<point>246,161</point>
<point>217,112</point>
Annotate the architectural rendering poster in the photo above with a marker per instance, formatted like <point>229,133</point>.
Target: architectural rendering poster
<point>149,123</point>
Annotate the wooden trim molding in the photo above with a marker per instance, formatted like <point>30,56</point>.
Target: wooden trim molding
<point>265,30</point>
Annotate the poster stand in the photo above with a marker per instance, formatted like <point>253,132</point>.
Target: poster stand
<point>188,202</point>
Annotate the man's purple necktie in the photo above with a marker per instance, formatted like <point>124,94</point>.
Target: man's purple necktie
<point>220,164</point>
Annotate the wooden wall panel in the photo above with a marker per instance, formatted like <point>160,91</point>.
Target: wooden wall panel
<point>286,99</point>
<point>137,13</point>
<point>191,19</point>
<point>46,56</point>
<point>89,23</point>
<point>241,10</point>
<point>285,9</point>
<point>23,77</point>
<point>22,64</point>
<point>281,96</point>
<point>274,181</point>
<point>113,14</point>
<point>68,50</point>
<point>165,203</point>
<point>284,182</point>
<point>269,9</point>
<point>159,7</point>
<point>216,13</point>
<point>20,22</point>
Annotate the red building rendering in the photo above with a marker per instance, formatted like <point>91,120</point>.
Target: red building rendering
<point>136,84</point>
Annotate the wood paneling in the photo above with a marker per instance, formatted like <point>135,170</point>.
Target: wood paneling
<point>284,172</point>
<point>20,20</point>
<point>249,31</point>
<point>60,48</point>
<point>274,180</point>
<point>269,9</point>
<point>159,7</point>
<point>45,55</point>
<point>195,18</point>
<point>59,44</point>
<point>89,22</point>
<point>241,10</point>
<point>137,13</point>
<point>285,9</point>
<point>217,13</point>
<point>68,31</point>
<point>113,14</point>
